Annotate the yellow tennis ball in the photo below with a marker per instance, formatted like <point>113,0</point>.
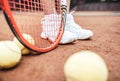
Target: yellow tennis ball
<point>24,50</point>
<point>10,54</point>
<point>85,66</point>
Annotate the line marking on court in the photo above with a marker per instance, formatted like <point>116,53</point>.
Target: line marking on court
<point>94,13</point>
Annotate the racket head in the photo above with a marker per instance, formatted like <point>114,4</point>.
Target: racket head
<point>25,17</point>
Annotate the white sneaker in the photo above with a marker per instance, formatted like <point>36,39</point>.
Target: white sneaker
<point>68,37</point>
<point>50,29</point>
<point>76,29</point>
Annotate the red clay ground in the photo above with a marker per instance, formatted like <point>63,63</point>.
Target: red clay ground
<point>49,66</point>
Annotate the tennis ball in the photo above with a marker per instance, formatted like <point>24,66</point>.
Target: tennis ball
<point>10,54</point>
<point>85,66</point>
<point>24,50</point>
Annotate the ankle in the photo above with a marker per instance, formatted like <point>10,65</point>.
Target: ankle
<point>70,18</point>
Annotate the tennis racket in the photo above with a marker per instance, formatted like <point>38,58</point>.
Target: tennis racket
<point>28,16</point>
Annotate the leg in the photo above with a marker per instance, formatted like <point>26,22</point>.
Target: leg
<point>68,6</point>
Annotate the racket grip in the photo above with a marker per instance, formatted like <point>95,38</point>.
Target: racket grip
<point>63,2</point>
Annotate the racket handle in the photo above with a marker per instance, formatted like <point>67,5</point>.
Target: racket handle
<point>63,2</point>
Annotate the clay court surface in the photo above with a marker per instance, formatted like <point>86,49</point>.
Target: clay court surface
<point>49,66</point>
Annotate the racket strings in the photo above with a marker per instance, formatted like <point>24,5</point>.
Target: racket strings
<point>25,5</point>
